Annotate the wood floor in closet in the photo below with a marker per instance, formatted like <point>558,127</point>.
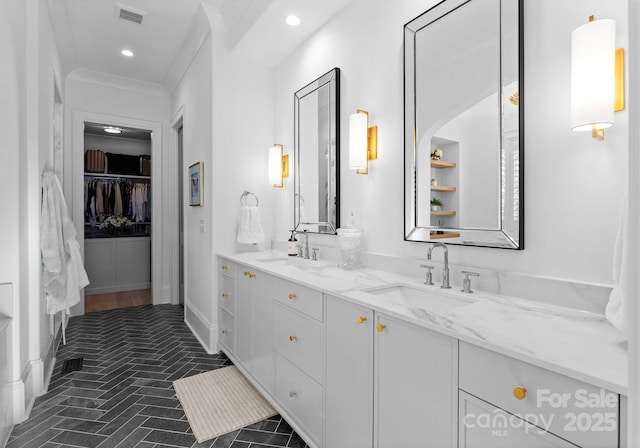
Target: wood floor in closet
<point>113,300</point>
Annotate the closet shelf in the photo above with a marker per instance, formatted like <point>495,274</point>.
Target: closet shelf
<point>445,188</point>
<point>116,176</point>
<point>437,236</point>
<point>440,164</point>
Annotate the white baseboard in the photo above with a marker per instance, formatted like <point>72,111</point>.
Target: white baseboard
<point>202,329</point>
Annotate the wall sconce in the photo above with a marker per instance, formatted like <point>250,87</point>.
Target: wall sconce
<point>278,166</point>
<point>363,142</point>
<point>597,77</point>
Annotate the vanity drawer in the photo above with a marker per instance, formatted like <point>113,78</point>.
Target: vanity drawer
<point>300,396</point>
<point>226,267</point>
<point>576,411</point>
<point>306,300</point>
<point>226,296</point>
<point>299,339</point>
<point>227,331</point>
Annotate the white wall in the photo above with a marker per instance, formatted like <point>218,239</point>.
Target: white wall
<point>573,183</point>
<point>192,99</point>
<point>227,107</point>
<point>9,201</point>
<point>31,64</point>
<point>112,100</point>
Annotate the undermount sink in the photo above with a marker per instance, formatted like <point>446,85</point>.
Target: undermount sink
<point>295,261</point>
<point>414,297</point>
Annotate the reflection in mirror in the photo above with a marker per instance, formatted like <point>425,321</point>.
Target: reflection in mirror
<point>463,124</point>
<point>317,154</point>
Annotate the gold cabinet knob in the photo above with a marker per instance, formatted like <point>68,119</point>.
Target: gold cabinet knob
<point>362,319</point>
<point>224,331</point>
<point>520,393</point>
<point>380,328</point>
<point>292,296</point>
<point>292,338</point>
<point>247,272</point>
<point>252,275</point>
<point>224,294</point>
<point>224,267</point>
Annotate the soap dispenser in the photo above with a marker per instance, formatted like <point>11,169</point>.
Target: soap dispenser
<point>350,237</point>
<point>292,246</point>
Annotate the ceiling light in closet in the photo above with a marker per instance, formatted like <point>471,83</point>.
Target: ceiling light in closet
<point>112,130</point>
<point>292,20</point>
<point>126,52</point>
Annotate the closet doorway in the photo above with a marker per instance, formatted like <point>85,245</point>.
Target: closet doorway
<point>117,216</point>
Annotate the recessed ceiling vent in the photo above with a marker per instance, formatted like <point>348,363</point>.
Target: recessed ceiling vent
<point>130,14</point>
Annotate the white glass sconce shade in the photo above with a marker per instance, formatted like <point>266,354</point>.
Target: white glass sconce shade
<point>358,141</point>
<point>593,64</point>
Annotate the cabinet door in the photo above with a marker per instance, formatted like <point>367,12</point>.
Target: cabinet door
<point>484,425</point>
<point>415,386</point>
<point>263,357</point>
<point>244,316</point>
<point>348,375</point>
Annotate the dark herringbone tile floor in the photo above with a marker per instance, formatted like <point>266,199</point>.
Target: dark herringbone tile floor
<point>123,397</point>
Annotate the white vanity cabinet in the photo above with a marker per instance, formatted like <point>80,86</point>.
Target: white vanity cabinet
<point>483,425</point>
<point>546,405</point>
<point>416,381</point>
<point>298,337</point>
<point>348,375</point>
<point>388,383</point>
<point>226,304</point>
<point>254,324</point>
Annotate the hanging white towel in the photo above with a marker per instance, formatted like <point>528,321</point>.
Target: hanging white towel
<point>250,228</point>
<point>616,311</point>
<point>63,273</point>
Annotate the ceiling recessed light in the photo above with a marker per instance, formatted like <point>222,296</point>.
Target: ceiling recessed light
<point>127,53</point>
<point>292,20</point>
<point>112,130</point>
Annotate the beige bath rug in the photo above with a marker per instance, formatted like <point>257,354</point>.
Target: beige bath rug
<point>220,401</point>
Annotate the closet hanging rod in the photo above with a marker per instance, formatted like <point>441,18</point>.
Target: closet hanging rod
<point>116,176</point>
<point>246,193</point>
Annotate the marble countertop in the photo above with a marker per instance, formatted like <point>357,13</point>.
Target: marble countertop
<point>579,344</point>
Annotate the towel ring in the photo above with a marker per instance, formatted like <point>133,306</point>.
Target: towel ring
<point>246,193</point>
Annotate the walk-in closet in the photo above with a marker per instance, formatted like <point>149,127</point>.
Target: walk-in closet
<point>117,216</point>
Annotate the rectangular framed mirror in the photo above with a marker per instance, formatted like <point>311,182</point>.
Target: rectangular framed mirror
<point>464,122</point>
<point>317,155</point>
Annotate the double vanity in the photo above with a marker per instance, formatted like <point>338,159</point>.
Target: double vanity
<point>369,358</point>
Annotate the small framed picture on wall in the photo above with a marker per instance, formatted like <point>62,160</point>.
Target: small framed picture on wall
<point>195,184</point>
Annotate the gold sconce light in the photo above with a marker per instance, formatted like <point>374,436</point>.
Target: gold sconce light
<point>278,165</point>
<point>363,142</point>
<point>597,77</point>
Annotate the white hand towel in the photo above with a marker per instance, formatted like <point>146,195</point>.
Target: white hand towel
<point>250,229</point>
<point>616,311</point>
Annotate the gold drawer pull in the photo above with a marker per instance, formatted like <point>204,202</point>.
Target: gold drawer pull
<point>362,319</point>
<point>252,275</point>
<point>247,272</point>
<point>292,338</point>
<point>380,328</point>
<point>292,296</point>
<point>224,267</point>
<point>224,294</point>
<point>520,393</point>
<point>224,331</point>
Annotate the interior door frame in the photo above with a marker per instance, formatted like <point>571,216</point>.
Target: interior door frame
<point>76,195</point>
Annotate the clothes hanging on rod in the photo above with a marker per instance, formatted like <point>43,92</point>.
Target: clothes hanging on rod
<point>117,196</point>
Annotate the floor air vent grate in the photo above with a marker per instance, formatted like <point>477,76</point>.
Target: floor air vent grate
<point>71,365</point>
